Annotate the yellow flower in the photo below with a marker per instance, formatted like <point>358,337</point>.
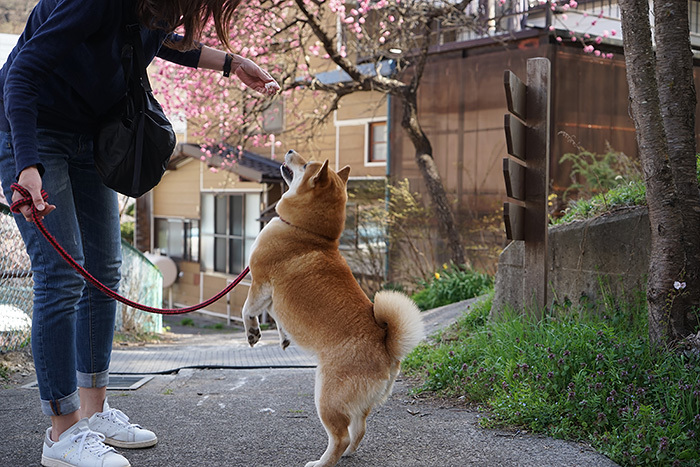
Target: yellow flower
<point>444,266</point>
<point>437,275</point>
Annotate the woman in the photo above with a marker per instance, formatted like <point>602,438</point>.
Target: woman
<point>62,76</point>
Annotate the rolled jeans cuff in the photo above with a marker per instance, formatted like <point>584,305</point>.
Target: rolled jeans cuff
<point>63,406</point>
<point>93,380</point>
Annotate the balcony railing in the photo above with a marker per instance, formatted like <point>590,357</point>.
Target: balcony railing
<point>593,17</point>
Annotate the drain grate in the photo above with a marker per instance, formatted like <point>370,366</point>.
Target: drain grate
<point>116,382</point>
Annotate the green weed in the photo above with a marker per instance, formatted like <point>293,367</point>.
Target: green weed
<point>452,284</point>
<point>574,375</point>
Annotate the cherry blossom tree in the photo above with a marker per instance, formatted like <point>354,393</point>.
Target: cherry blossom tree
<point>297,39</point>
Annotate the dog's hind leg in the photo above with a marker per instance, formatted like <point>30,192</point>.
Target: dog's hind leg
<point>358,425</point>
<point>335,420</point>
<point>259,298</point>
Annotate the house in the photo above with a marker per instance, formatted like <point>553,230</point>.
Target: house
<point>207,219</point>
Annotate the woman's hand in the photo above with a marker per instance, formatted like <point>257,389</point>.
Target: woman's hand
<point>30,179</point>
<point>253,76</point>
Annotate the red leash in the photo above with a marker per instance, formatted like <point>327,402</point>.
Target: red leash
<point>27,201</point>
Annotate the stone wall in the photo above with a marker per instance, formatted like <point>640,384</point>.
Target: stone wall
<point>613,248</point>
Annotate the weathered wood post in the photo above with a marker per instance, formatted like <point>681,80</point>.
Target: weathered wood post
<point>526,175</point>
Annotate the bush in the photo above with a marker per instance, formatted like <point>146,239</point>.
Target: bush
<point>576,376</point>
<point>627,190</point>
<point>452,284</point>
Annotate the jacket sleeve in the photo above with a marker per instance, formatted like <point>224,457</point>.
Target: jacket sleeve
<point>189,58</point>
<point>57,33</point>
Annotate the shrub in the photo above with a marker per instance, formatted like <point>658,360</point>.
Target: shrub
<point>452,284</point>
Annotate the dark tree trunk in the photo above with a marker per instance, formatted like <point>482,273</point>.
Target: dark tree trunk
<point>674,74</point>
<point>431,177</point>
<point>668,261</point>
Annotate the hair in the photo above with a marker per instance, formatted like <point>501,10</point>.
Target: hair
<point>192,14</point>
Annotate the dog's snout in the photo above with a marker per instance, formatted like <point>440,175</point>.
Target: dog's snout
<point>290,152</point>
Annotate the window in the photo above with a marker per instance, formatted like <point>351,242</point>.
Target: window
<point>377,143</point>
<point>229,228</point>
<point>178,238</point>
<point>365,217</point>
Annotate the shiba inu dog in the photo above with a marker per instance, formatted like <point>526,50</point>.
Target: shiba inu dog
<point>301,279</point>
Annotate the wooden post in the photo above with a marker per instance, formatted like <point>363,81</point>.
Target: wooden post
<point>526,175</point>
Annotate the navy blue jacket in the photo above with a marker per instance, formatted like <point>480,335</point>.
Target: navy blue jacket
<point>65,71</point>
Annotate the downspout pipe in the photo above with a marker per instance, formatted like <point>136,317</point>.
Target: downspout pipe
<point>388,179</point>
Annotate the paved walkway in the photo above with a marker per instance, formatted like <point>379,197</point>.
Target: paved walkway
<point>163,359</point>
<point>257,409</point>
<point>205,349</point>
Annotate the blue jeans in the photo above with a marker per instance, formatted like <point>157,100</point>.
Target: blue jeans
<point>73,322</point>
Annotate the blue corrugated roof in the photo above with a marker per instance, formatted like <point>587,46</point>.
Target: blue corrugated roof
<point>386,68</point>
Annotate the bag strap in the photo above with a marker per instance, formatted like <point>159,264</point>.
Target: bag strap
<point>134,61</point>
<point>133,49</point>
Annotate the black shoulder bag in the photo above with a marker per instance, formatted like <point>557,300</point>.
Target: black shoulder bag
<point>133,145</point>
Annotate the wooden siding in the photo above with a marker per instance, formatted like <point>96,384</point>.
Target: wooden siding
<point>177,195</point>
<point>462,104</point>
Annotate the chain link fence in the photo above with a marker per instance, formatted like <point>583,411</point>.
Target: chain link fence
<point>141,282</point>
<point>15,286</point>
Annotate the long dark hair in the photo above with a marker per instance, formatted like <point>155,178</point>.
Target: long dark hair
<point>192,14</point>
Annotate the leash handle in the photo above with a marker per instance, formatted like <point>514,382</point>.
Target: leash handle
<point>26,200</point>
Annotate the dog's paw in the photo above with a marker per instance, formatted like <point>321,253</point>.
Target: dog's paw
<point>284,344</point>
<point>254,336</point>
<point>313,464</point>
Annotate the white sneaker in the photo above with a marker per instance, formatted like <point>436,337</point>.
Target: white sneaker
<point>115,426</point>
<point>80,447</point>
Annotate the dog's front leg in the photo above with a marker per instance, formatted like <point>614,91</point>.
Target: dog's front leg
<point>284,339</point>
<point>259,298</point>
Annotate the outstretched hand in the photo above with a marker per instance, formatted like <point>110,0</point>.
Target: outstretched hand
<point>253,76</point>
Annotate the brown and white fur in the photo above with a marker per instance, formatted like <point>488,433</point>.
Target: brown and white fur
<point>300,278</point>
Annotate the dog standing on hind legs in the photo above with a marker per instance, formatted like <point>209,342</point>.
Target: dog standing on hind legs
<point>301,279</point>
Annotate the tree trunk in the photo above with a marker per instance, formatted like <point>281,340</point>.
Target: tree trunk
<point>428,169</point>
<point>667,259</point>
<point>674,74</point>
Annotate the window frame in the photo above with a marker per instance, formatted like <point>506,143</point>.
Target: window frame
<point>369,146</point>
<point>222,263</point>
<point>189,243</point>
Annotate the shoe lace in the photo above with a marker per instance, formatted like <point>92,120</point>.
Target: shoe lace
<point>93,442</point>
<point>118,416</point>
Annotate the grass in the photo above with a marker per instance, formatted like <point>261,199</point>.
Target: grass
<point>573,375</point>
<point>623,194</point>
<point>452,284</point>
<point>132,337</point>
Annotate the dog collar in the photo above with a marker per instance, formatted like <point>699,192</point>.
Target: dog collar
<point>306,230</point>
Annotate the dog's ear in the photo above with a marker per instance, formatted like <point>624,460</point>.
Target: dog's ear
<point>344,173</point>
<point>321,177</point>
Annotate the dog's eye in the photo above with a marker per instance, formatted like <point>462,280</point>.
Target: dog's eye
<point>305,166</point>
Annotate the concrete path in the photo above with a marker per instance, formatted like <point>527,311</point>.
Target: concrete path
<point>257,409</point>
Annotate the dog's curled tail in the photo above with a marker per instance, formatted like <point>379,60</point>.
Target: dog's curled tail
<point>401,317</point>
